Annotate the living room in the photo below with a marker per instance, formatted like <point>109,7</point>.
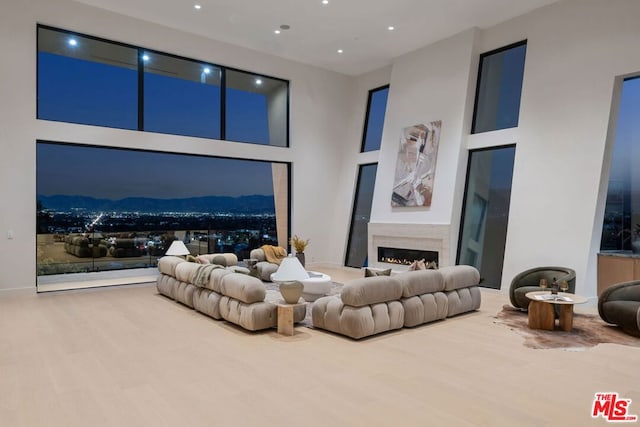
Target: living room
<point>578,54</point>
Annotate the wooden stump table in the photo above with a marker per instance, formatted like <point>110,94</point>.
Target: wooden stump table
<point>542,309</point>
<point>285,317</point>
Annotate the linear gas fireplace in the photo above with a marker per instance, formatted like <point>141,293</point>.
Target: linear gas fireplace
<point>414,237</point>
<point>405,256</point>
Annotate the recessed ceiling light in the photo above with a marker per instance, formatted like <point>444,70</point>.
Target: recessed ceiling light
<point>325,2</point>
<point>73,42</point>
<point>277,31</point>
<point>391,28</point>
<point>207,70</point>
<point>340,50</point>
<point>197,6</point>
<point>258,82</point>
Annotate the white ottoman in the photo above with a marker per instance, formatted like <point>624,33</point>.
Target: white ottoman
<point>316,286</point>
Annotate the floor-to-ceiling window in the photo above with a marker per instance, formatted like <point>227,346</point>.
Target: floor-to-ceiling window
<point>486,212</point>
<point>357,241</point>
<point>102,209</point>
<point>357,246</point>
<point>621,226</point>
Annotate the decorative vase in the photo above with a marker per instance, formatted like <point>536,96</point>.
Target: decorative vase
<point>291,291</point>
<point>300,256</point>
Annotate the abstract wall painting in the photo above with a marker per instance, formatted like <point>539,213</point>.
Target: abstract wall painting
<point>416,165</point>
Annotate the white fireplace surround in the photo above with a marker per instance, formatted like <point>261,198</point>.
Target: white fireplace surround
<point>424,237</point>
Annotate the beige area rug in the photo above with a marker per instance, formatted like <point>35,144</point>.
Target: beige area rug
<point>588,331</point>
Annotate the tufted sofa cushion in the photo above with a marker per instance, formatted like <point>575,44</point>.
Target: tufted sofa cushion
<point>371,290</point>
<point>167,264</point>
<point>242,287</point>
<point>225,259</point>
<point>165,284</point>
<point>208,302</point>
<point>461,288</point>
<point>334,315</point>
<point>420,282</point>
<point>459,276</point>
<point>215,280</point>
<point>463,300</point>
<point>185,271</point>
<point>183,293</point>
<point>423,297</point>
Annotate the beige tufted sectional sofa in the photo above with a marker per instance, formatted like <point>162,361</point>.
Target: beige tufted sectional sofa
<point>220,292</point>
<point>373,305</point>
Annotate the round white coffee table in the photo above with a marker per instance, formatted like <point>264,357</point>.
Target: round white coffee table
<point>316,286</point>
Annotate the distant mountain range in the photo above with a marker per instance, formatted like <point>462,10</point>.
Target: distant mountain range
<point>254,204</point>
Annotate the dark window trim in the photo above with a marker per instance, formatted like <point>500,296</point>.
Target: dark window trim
<point>353,208</point>
<point>140,51</point>
<point>367,114</point>
<point>140,91</point>
<point>223,103</point>
<point>482,56</point>
<point>466,188</point>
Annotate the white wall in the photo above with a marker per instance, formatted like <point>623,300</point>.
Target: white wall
<point>575,51</point>
<point>319,114</point>
<point>426,85</point>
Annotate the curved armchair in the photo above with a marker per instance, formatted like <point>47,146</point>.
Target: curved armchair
<point>264,267</point>
<point>529,280</point>
<point>620,305</point>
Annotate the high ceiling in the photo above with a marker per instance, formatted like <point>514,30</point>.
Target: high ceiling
<point>318,31</point>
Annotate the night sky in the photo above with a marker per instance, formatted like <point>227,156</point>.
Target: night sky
<point>116,173</point>
<point>627,132</point>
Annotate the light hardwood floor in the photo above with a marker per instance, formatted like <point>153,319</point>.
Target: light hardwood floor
<point>127,356</point>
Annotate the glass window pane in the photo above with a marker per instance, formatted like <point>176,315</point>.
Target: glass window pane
<point>256,109</point>
<point>499,89</point>
<point>621,225</point>
<point>486,213</point>
<point>357,246</point>
<point>127,215</point>
<point>87,81</point>
<point>181,96</point>
<point>377,106</point>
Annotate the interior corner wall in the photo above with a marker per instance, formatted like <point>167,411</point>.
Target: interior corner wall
<point>319,100</point>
